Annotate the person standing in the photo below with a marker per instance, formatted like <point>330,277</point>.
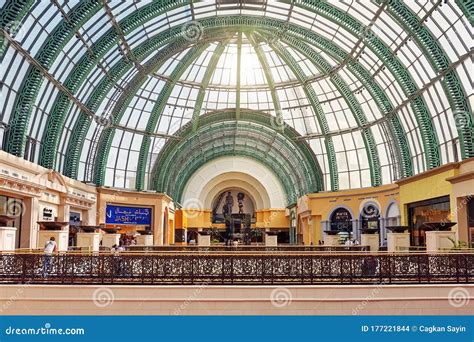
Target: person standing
<point>49,248</point>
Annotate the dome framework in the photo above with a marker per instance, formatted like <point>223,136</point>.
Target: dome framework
<point>376,91</point>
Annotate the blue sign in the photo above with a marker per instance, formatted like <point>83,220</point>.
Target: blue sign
<point>117,214</point>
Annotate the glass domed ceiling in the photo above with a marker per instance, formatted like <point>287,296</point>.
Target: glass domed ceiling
<point>378,88</point>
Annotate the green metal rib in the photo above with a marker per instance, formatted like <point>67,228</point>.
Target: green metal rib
<point>160,104</point>
<point>440,61</point>
<point>313,99</point>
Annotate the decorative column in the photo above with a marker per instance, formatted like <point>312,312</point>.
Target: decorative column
<point>145,240</point>
<point>398,242</point>
<point>371,240</point>
<point>383,231</point>
<point>439,240</point>
<point>324,226</point>
<point>204,239</point>
<point>29,225</point>
<point>7,238</point>
<point>108,240</point>
<point>356,225</point>
<point>89,240</point>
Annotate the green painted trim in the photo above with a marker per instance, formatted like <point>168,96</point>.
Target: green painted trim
<point>269,77</point>
<point>77,77</point>
<point>439,60</point>
<point>28,91</point>
<point>206,79</point>
<point>313,99</point>
<point>323,66</point>
<point>160,104</point>
<point>314,173</point>
<point>382,51</point>
<point>174,163</point>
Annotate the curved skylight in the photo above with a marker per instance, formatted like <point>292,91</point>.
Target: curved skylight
<point>382,89</point>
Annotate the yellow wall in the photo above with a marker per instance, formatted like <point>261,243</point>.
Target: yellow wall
<point>427,185</point>
<point>272,218</point>
<point>193,218</point>
<point>314,208</point>
<point>462,189</point>
<point>455,180</point>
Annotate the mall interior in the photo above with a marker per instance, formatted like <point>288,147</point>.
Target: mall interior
<point>274,134</point>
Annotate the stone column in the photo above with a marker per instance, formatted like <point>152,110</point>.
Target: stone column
<point>61,237</point>
<point>439,240</point>
<point>356,223</point>
<point>398,242</point>
<point>29,225</point>
<point>324,226</point>
<point>64,210</point>
<point>383,231</point>
<point>7,238</point>
<point>145,240</point>
<point>108,240</point>
<point>371,240</point>
<point>89,240</point>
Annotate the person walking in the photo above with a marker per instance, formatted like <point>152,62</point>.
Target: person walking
<point>49,248</point>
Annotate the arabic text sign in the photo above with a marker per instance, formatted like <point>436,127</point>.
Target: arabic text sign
<point>117,214</point>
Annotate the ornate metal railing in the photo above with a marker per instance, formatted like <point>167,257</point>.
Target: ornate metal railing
<point>237,268</point>
<point>250,248</point>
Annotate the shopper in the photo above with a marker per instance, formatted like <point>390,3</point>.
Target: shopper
<point>49,247</point>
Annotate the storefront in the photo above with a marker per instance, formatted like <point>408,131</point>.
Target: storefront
<point>432,210</point>
<point>470,221</point>
<point>341,220</point>
<point>13,207</point>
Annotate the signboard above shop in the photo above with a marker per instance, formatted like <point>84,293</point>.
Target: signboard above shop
<point>117,214</point>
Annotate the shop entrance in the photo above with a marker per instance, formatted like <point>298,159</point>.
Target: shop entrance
<point>432,210</point>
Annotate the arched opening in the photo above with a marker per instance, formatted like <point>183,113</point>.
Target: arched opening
<point>340,221</point>
<point>370,217</point>
<point>243,204</point>
<point>234,211</point>
<point>392,215</point>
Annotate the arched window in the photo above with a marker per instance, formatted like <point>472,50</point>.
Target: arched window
<point>341,220</point>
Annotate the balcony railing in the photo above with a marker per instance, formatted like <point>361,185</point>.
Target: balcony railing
<point>250,268</point>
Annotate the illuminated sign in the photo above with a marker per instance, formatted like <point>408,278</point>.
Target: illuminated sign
<point>117,214</point>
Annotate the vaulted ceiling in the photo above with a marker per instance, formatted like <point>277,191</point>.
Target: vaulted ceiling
<point>363,93</point>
